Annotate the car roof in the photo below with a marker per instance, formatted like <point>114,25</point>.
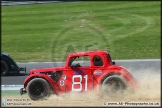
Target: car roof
<point>84,53</point>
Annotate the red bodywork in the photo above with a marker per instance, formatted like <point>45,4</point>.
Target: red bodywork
<point>85,78</point>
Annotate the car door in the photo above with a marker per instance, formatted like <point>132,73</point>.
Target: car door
<point>79,79</point>
<point>97,70</point>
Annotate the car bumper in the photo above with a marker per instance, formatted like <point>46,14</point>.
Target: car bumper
<point>22,91</point>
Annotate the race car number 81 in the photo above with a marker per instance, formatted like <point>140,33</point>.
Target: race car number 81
<point>79,82</point>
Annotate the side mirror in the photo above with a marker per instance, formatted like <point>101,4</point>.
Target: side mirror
<point>113,62</point>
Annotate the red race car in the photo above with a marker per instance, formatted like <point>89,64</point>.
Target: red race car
<point>83,71</point>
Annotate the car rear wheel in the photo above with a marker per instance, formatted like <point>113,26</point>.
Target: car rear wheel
<point>4,68</point>
<point>38,89</point>
<point>113,85</point>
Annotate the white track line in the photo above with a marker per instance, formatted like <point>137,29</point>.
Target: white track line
<point>11,87</point>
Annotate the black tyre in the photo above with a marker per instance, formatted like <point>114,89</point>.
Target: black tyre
<point>38,89</point>
<point>113,85</point>
<point>4,68</point>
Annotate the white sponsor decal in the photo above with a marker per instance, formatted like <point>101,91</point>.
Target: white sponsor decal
<point>62,83</point>
<point>64,77</point>
<point>98,72</point>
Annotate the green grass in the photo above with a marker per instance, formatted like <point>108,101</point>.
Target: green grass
<point>10,93</point>
<point>45,32</point>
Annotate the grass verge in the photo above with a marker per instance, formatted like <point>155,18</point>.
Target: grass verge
<point>127,30</point>
<point>10,93</point>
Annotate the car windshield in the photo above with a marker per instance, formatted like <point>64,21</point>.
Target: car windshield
<point>82,60</point>
<point>71,60</point>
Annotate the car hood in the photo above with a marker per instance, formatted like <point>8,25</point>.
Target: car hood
<point>47,69</point>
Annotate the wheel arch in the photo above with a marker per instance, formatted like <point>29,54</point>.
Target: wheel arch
<point>126,76</point>
<point>11,63</point>
<point>107,75</point>
<point>8,63</point>
<point>51,84</point>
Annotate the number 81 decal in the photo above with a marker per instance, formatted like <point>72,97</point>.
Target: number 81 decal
<point>79,82</point>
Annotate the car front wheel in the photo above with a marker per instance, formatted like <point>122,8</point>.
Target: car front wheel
<point>38,88</point>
